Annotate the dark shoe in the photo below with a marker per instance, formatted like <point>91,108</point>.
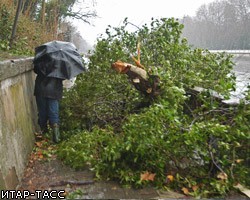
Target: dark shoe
<point>55,133</point>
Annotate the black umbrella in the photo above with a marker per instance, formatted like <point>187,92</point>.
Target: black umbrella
<point>58,59</point>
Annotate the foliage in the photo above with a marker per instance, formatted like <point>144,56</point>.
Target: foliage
<point>34,29</point>
<point>199,143</point>
<point>24,43</point>
<point>6,17</point>
<point>76,194</point>
<point>100,96</point>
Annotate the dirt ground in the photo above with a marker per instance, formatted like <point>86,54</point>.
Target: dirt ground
<point>47,173</point>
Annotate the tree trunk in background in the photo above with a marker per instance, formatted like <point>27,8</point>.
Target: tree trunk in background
<point>19,6</point>
<point>43,12</point>
<point>56,17</point>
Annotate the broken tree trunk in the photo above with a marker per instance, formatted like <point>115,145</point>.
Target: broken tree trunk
<point>138,76</point>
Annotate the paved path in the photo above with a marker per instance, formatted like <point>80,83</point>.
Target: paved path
<point>52,175</point>
<point>44,175</point>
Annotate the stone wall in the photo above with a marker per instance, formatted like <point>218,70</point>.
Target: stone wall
<point>18,119</point>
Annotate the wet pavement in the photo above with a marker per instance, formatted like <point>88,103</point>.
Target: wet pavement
<point>54,175</point>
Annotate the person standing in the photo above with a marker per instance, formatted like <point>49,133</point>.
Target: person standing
<point>48,91</point>
<point>54,62</point>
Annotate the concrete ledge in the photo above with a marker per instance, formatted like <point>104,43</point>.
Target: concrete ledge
<point>18,119</point>
<point>10,68</point>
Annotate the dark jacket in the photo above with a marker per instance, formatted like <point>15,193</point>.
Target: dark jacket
<point>48,87</point>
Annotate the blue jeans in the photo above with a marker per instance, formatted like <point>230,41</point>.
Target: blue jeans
<point>48,111</point>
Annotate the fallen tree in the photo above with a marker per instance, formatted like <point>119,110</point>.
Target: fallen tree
<point>162,144</point>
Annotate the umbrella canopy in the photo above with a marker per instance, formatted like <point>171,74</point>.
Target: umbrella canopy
<point>58,59</point>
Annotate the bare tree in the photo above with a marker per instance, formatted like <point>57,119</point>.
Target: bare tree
<point>223,24</point>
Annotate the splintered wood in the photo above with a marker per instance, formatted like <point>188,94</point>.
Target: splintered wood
<point>145,83</point>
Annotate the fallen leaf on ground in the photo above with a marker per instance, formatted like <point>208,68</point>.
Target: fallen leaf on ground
<point>195,187</point>
<point>147,176</point>
<point>38,144</point>
<point>170,178</point>
<point>185,190</point>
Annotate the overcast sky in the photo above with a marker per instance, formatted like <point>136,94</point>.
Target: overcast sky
<point>139,12</point>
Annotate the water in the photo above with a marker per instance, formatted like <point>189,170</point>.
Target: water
<point>242,72</point>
